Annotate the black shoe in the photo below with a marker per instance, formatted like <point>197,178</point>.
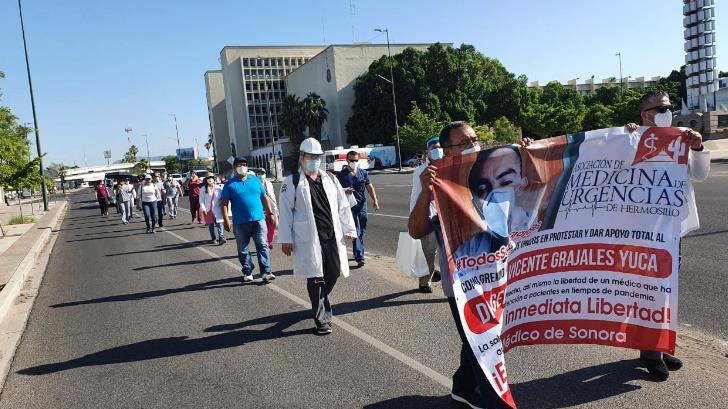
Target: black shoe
<point>436,277</point>
<point>360,263</point>
<point>656,368</point>
<point>469,399</point>
<point>426,289</point>
<point>148,230</point>
<point>672,362</point>
<point>324,329</point>
<point>222,241</point>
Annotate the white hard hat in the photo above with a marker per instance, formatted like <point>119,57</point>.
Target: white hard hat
<point>312,146</point>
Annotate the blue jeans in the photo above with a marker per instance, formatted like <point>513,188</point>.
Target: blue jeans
<point>125,210</point>
<point>150,214</point>
<point>212,228</point>
<point>258,231</point>
<point>160,211</point>
<point>360,221</point>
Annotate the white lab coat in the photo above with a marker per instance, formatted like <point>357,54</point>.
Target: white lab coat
<point>296,224</point>
<point>205,202</point>
<point>698,170</point>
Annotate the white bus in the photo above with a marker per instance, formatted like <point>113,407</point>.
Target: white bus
<point>370,157</point>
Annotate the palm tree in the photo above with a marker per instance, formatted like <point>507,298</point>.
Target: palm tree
<point>130,155</point>
<point>141,167</point>
<point>314,114</point>
<point>291,118</point>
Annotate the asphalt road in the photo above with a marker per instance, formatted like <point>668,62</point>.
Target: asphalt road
<point>129,320</point>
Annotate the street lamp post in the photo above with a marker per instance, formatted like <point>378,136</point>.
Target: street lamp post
<point>394,97</point>
<point>621,80</point>
<point>35,117</point>
<point>176,129</point>
<point>146,140</point>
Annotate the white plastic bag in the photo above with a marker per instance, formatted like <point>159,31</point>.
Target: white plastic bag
<point>352,200</point>
<point>410,258</point>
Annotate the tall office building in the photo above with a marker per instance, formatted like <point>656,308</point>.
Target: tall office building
<point>253,78</point>
<point>702,79</point>
<point>217,113</point>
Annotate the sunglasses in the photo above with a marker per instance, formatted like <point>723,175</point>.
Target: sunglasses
<point>468,142</point>
<point>660,108</point>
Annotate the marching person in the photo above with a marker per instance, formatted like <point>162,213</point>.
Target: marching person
<point>102,196</point>
<point>173,190</point>
<point>429,242</point>
<point>272,230</point>
<point>315,222</point>
<point>211,210</point>
<point>248,198</point>
<point>469,386</point>
<point>159,184</point>
<point>148,197</point>
<point>355,182</point>
<point>123,200</point>
<point>194,184</point>
<point>656,110</point>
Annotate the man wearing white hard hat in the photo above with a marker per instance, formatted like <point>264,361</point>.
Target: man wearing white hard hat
<point>315,222</point>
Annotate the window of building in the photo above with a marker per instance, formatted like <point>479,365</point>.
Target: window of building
<point>722,121</point>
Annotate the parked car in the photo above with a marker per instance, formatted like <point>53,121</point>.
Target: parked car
<point>415,161</point>
<point>177,177</point>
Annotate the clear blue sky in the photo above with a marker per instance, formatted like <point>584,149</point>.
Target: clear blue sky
<point>101,66</point>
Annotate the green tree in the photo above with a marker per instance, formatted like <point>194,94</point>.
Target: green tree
<point>485,134</point>
<point>130,155</point>
<point>198,164</point>
<point>418,129</point>
<point>292,119</point>
<point>172,164</point>
<point>314,114</point>
<point>443,82</point>
<point>556,110</point>
<point>505,131</point>
<point>598,116</point>
<point>140,167</point>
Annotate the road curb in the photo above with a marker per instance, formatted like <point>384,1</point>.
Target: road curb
<point>14,294</point>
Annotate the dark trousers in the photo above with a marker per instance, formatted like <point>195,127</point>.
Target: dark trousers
<point>319,288</point>
<point>160,211</point>
<point>103,205</point>
<point>469,377</point>
<point>360,221</point>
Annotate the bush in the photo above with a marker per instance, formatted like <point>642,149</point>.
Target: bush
<point>21,220</point>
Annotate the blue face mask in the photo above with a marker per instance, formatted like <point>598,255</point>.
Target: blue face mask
<point>312,164</point>
<point>496,209</point>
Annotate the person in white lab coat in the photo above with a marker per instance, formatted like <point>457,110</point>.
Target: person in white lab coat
<point>210,194</point>
<point>315,222</point>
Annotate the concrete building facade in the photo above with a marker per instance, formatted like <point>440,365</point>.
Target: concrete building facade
<point>590,85</point>
<point>332,74</point>
<point>254,87</point>
<point>217,113</point>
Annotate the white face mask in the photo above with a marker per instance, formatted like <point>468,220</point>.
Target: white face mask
<point>475,148</point>
<point>241,170</point>
<point>353,165</point>
<point>436,154</point>
<point>312,164</point>
<point>496,210</point>
<point>664,120</point>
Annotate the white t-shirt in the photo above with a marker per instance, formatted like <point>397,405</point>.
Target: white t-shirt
<point>148,193</point>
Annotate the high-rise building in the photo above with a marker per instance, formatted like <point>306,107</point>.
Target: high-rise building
<point>700,64</point>
<point>218,119</point>
<point>253,79</point>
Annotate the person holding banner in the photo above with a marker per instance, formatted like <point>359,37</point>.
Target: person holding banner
<point>428,242</point>
<point>656,110</point>
<point>470,385</point>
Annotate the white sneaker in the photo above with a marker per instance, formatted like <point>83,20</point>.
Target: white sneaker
<point>248,278</point>
<point>268,277</point>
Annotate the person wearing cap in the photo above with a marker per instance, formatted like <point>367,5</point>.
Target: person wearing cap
<point>355,182</point>
<point>429,241</point>
<point>248,198</point>
<point>260,173</point>
<point>149,195</point>
<point>193,185</point>
<point>315,223</point>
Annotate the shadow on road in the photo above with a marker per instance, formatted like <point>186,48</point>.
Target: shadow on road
<point>416,402</point>
<point>174,346</point>
<point>580,386</point>
<point>209,285</point>
<point>139,235</point>
<point>186,262</point>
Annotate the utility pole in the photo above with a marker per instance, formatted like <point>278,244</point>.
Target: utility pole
<point>176,129</point>
<point>394,97</point>
<point>35,117</point>
<point>621,80</point>
<point>149,159</point>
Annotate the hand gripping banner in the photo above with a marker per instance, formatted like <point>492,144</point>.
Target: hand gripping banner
<point>573,240</point>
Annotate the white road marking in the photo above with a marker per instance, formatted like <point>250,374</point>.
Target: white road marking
<point>394,186</point>
<point>388,215</point>
<point>405,359</point>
